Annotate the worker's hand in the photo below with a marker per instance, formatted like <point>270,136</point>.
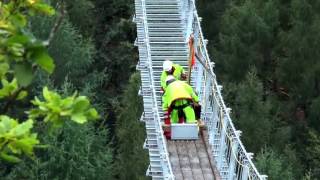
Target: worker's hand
<point>161,91</point>
<point>183,76</point>
<point>166,114</point>
<point>196,104</point>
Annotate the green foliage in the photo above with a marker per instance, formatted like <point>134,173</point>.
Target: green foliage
<point>99,69</point>
<point>72,52</point>
<point>275,165</point>
<point>56,109</point>
<point>16,139</point>
<point>280,105</point>
<point>114,36</point>
<point>19,49</point>
<point>8,88</point>
<point>252,112</point>
<point>211,13</point>
<point>315,113</point>
<point>81,15</point>
<point>247,36</point>
<point>312,155</point>
<point>130,134</point>
<point>20,55</point>
<point>78,152</point>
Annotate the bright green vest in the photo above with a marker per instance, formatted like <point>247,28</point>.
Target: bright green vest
<point>178,70</point>
<point>178,90</point>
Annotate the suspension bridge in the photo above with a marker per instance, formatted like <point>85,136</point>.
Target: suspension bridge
<point>164,28</point>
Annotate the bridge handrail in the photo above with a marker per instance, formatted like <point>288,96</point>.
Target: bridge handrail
<point>168,173</point>
<point>238,150</point>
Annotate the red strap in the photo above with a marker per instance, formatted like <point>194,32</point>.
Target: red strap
<point>191,47</point>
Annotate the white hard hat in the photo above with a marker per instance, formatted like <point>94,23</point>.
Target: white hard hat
<point>167,65</point>
<point>170,78</point>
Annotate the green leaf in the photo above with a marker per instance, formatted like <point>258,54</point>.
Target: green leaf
<point>93,114</point>
<point>79,118</point>
<point>13,148</point>
<point>57,110</point>
<point>4,67</point>
<point>66,113</point>
<point>21,39</point>
<point>8,88</point>
<point>9,158</point>
<point>50,117</point>
<point>17,138</point>
<point>46,94</point>
<point>44,61</point>
<point>18,20</point>
<point>22,128</point>
<point>68,102</point>
<point>7,123</point>
<point>16,49</point>
<point>23,73</point>
<point>27,144</point>
<point>81,103</point>
<point>44,8</point>
<point>22,95</point>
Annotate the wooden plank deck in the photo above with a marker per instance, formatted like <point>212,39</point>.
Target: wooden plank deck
<point>190,159</point>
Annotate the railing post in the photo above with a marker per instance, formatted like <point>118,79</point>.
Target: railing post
<point>206,103</point>
<point>245,170</point>
<point>199,77</point>
<point>223,124</point>
<point>234,152</point>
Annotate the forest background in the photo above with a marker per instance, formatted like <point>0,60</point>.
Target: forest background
<point>267,58</point>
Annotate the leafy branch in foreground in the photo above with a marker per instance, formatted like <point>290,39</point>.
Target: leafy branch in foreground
<point>16,138</point>
<point>21,55</point>
<point>56,109</point>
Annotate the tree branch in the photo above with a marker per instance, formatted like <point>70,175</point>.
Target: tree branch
<point>57,23</point>
<point>10,101</point>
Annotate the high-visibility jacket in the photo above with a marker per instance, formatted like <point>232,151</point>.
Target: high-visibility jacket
<point>177,90</point>
<point>178,71</point>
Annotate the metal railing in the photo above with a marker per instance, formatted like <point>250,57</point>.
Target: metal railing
<point>230,155</point>
<point>166,170</point>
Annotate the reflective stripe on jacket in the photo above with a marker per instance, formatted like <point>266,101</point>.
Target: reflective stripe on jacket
<point>177,90</point>
<point>178,71</point>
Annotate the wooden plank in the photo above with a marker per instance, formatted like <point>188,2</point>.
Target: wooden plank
<point>174,160</point>
<point>204,160</point>
<point>184,160</point>
<point>209,149</point>
<point>190,159</point>
<point>194,160</point>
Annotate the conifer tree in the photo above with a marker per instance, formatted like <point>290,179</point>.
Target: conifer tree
<point>251,113</point>
<point>274,165</point>
<point>131,159</point>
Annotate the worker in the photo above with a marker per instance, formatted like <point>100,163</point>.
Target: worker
<point>178,100</point>
<point>170,68</point>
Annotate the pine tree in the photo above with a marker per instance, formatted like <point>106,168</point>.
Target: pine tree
<point>211,12</point>
<point>299,67</point>
<point>280,39</point>
<point>114,37</point>
<point>251,113</point>
<point>72,52</point>
<point>78,152</point>
<point>131,159</point>
<point>275,165</point>
<point>247,38</point>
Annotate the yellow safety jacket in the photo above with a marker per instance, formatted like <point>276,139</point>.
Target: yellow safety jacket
<point>178,71</point>
<point>177,90</point>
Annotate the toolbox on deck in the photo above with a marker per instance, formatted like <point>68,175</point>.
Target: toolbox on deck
<point>184,131</point>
